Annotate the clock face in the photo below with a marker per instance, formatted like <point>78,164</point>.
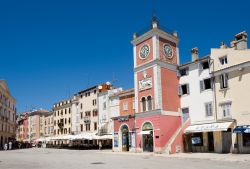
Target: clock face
<point>144,52</point>
<point>168,51</point>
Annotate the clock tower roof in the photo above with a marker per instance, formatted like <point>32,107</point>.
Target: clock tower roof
<point>154,29</point>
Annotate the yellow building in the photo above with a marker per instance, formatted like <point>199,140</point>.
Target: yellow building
<point>49,125</point>
<point>62,120</point>
<point>7,114</point>
<point>231,71</point>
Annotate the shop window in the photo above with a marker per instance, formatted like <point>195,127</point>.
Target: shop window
<point>197,139</point>
<point>246,139</point>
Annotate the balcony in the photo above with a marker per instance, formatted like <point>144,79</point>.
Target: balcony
<point>60,125</point>
<point>87,119</point>
<point>103,131</point>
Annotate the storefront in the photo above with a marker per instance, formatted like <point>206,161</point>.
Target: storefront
<point>155,132</point>
<point>242,144</point>
<point>213,137</point>
<point>124,135</point>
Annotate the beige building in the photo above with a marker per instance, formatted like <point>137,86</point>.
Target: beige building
<point>7,114</point>
<point>62,119</point>
<point>36,120</point>
<point>88,110</point>
<point>49,125</point>
<point>231,69</point>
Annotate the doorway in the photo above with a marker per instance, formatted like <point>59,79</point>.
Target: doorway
<point>147,137</point>
<point>226,141</point>
<point>125,138</point>
<point>210,137</point>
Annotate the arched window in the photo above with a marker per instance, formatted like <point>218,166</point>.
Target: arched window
<point>143,101</point>
<point>149,101</point>
<point>65,131</point>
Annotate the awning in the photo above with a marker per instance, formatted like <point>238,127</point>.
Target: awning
<point>242,129</point>
<point>104,137</point>
<point>144,132</point>
<point>208,127</point>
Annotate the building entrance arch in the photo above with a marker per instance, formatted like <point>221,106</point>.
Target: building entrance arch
<point>125,138</point>
<point>147,137</point>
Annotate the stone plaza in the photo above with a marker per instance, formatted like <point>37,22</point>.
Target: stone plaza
<point>39,158</point>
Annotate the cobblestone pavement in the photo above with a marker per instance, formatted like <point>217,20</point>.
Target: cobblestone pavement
<point>83,159</point>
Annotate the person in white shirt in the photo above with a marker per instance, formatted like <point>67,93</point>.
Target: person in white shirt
<point>10,145</point>
<point>5,146</point>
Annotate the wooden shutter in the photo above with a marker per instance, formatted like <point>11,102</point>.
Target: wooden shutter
<point>226,80</point>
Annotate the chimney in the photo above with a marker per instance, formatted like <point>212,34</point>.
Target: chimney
<point>194,53</point>
<point>223,45</point>
<point>241,41</point>
<point>232,44</point>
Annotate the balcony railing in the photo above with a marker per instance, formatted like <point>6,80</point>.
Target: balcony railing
<point>87,119</point>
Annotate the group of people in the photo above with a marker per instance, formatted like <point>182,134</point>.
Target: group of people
<point>7,146</point>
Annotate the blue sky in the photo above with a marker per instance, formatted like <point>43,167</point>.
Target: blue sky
<point>50,49</point>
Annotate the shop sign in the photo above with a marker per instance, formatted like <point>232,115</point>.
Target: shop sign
<point>196,140</point>
<point>133,139</point>
<point>116,139</point>
<point>121,119</point>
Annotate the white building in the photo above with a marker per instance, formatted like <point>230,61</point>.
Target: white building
<point>108,106</point>
<point>197,102</point>
<point>196,90</point>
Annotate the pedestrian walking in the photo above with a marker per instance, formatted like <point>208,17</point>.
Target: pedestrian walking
<point>10,145</point>
<point>5,146</point>
<point>100,145</point>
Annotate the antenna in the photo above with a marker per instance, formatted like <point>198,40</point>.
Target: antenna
<point>154,8</point>
<point>114,79</point>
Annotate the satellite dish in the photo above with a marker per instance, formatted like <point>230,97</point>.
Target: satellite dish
<point>100,87</point>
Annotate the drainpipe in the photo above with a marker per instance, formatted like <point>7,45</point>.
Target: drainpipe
<point>135,131</point>
<point>214,88</point>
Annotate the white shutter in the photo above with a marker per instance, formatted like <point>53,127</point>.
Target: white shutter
<point>201,85</point>
<point>179,90</point>
<point>188,89</point>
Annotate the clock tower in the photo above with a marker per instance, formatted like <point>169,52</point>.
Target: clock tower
<point>156,57</point>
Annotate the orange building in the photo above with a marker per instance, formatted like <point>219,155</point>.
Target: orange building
<point>125,123</point>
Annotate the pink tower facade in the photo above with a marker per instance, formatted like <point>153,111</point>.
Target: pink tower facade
<point>157,102</point>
